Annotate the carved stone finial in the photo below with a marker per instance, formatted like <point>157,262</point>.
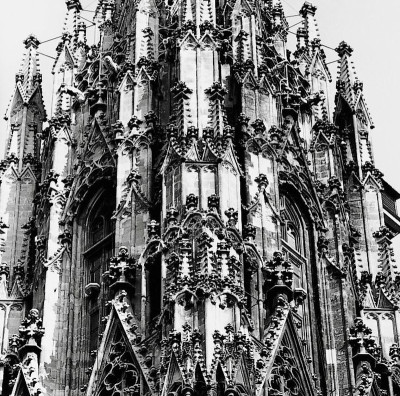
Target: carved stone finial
<point>278,276</point>
<point>73,4</point>
<point>4,270</point>
<point>181,90</point>
<point>213,202</point>
<point>122,271</point>
<point>153,229</point>
<point>192,132</point>
<point>262,181</point>
<point>249,232</point>
<point>134,122</point>
<point>307,8</point>
<point>363,344</point>
<point>275,136</point>
<point>31,332</point>
<point>394,353</point>
<point>216,91</point>
<point>151,119</point>
<point>192,202</point>
<point>301,35</point>
<point>243,120</point>
<point>14,343</point>
<point>232,216</point>
<point>322,245</point>
<point>31,41</point>
<point>334,183</point>
<point>259,127</point>
<point>172,216</point>
<point>383,232</point>
<point>344,49</point>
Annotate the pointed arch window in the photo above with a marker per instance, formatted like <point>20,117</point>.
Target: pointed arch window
<point>298,250</point>
<point>99,247</point>
<point>291,227</point>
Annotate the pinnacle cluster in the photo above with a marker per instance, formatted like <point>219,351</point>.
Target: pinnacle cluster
<point>195,218</point>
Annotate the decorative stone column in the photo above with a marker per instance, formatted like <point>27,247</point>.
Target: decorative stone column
<point>31,333</point>
<point>364,349</point>
<point>278,277</point>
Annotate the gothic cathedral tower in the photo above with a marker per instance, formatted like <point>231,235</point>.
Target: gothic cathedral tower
<point>197,218</point>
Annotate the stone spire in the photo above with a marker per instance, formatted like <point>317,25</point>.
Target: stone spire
<point>347,76</point>
<point>25,122</point>
<point>348,84</point>
<point>350,89</point>
<point>28,80</point>
<point>72,19</point>
<point>71,56</point>
<point>29,75</point>
<point>31,332</point>
<point>307,11</point>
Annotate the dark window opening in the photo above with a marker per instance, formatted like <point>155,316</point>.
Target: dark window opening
<point>99,247</point>
<point>154,286</point>
<point>94,329</point>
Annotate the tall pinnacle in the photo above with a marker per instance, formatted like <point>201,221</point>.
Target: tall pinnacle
<point>347,79</point>
<point>73,16</point>
<point>29,75</point>
<point>307,11</point>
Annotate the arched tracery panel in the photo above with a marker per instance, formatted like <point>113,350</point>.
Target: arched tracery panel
<point>298,247</point>
<point>98,242</point>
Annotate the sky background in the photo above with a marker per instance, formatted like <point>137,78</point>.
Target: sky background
<point>370,27</point>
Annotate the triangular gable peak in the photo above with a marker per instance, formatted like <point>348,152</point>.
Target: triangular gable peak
<point>19,94</point>
<point>28,175</point>
<point>319,140</point>
<point>207,42</point>
<point>265,84</point>
<point>173,378</point>
<point>371,183</point>
<point>189,41</point>
<point>65,134</point>
<point>192,154</point>
<point>230,157</point>
<point>118,360</point>
<point>21,387</point>
<point>32,98</point>
<point>286,365</point>
<point>353,182</point>
<point>11,174</point>
<point>249,80</point>
<point>362,112</point>
<point>209,155</point>
<point>369,301</point>
<point>100,145</point>
<point>98,162</point>
<point>64,58</point>
<point>318,63</point>
<point>243,5</point>
<point>127,82</point>
<point>16,102</point>
<point>36,103</point>
<point>384,300</point>
<point>17,290</point>
<point>242,377</point>
<point>142,76</point>
<point>342,107</point>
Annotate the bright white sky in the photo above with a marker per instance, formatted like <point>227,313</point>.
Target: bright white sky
<point>371,27</point>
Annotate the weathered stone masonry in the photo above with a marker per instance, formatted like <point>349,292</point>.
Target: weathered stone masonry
<point>195,218</point>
